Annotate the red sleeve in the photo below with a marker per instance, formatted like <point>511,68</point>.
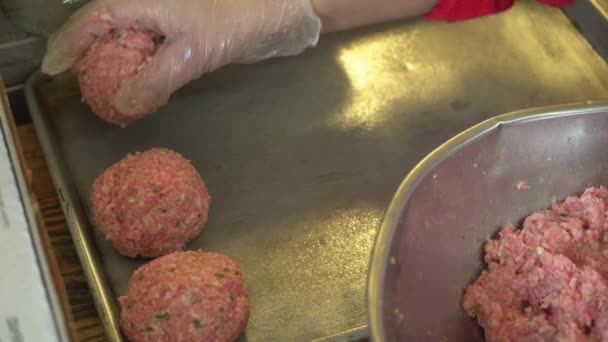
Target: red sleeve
<point>456,10</point>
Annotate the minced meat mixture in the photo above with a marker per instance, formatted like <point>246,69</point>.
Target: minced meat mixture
<point>547,281</point>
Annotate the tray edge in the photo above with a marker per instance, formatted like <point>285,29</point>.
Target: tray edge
<point>85,247</point>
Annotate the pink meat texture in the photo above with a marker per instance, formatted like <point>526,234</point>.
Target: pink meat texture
<point>186,296</point>
<point>547,281</point>
<point>150,203</point>
<point>112,59</point>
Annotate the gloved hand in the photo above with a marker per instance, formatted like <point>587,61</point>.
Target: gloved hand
<point>200,36</point>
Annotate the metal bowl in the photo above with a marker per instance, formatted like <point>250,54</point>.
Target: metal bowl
<point>429,247</point>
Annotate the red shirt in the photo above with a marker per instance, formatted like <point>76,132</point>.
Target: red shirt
<point>456,10</point>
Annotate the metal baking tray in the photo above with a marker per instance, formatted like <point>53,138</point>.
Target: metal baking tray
<point>302,155</point>
<point>25,255</point>
<point>591,18</point>
<point>19,58</point>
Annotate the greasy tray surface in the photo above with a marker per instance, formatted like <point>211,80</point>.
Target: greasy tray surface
<point>302,155</point>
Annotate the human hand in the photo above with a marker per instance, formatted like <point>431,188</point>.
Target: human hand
<point>199,36</point>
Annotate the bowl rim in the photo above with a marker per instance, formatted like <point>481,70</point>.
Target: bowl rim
<point>391,219</point>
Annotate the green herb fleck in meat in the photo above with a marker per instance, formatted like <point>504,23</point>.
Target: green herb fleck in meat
<point>563,214</point>
<point>148,329</point>
<point>197,324</point>
<point>486,269</point>
<point>165,316</point>
<point>226,269</point>
<point>475,310</point>
<point>221,309</point>
<point>219,275</point>
<point>164,210</point>
<point>525,304</point>
<point>231,296</point>
<point>236,273</point>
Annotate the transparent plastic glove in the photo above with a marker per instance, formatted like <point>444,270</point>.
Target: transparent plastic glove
<point>200,36</point>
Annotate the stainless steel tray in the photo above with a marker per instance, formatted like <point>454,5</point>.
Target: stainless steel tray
<point>302,155</point>
<point>24,251</point>
<point>591,18</point>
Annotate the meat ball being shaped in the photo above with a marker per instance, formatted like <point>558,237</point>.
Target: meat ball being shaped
<point>112,59</point>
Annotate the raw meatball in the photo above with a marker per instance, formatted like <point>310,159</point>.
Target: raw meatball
<point>186,296</point>
<point>112,59</point>
<point>150,203</point>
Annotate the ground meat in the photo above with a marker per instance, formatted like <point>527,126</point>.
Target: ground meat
<point>150,203</point>
<point>112,59</point>
<point>522,185</point>
<point>186,296</point>
<point>548,280</point>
